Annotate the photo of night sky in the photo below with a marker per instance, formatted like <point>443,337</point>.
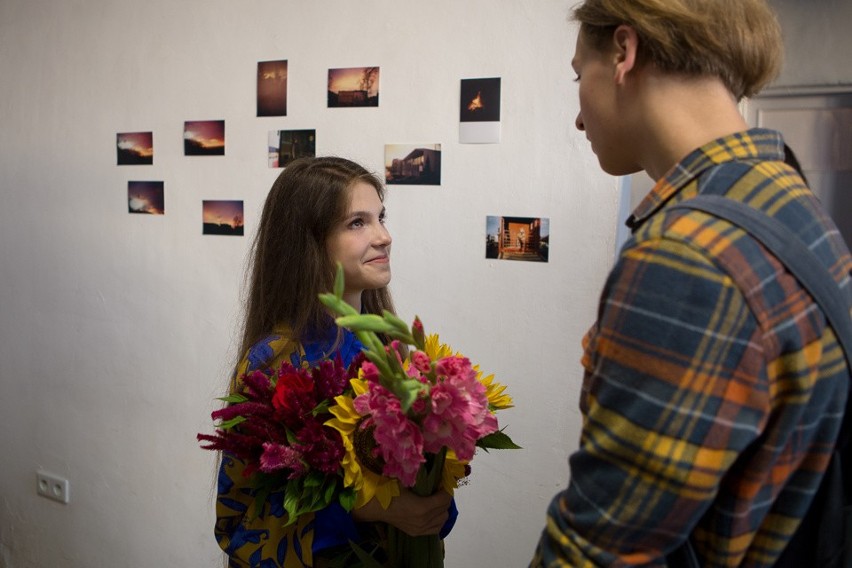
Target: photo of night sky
<point>272,88</point>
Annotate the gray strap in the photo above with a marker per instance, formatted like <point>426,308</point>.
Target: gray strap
<point>793,253</point>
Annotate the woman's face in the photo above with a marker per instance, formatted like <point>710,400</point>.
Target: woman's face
<point>362,244</point>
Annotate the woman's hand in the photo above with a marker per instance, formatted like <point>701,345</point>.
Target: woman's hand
<point>413,515</point>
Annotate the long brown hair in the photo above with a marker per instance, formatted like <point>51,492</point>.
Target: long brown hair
<point>290,265</point>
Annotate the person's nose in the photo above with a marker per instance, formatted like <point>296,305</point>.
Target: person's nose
<point>382,236</point>
<point>578,122</point>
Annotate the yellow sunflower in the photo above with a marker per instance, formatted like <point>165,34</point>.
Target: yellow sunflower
<point>497,399</point>
<point>367,483</point>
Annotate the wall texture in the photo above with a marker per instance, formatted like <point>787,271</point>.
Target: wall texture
<point>117,330</point>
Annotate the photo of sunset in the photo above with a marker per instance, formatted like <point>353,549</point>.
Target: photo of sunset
<point>222,218</point>
<point>135,148</point>
<point>145,197</point>
<point>353,87</point>
<point>272,88</point>
<point>204,138</point>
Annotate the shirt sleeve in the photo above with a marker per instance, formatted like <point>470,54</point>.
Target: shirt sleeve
<point>670,399</point>
<point>259,538</point>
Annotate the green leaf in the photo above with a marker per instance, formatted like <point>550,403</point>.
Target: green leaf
<point>314,479</point>
<point>366,559</point>
<point>404,334</point>
<point>228,424</point>
<point>497,441</point>
<point>330,487</point>
<point>291,502</point>
<point>322,407</point>
<point>233,398</point>
<point>347,498</point>
<point>337,305</point>
<point>365,322</point>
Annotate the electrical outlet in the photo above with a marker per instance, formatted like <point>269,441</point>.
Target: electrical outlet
<point>52,486</point>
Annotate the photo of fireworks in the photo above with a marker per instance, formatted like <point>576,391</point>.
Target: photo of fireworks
<point>479,111</point>
<point>135,148</point>
<point>272,88</point>
<point>204,138</point>
<point>517,238</point>
<point>145,197</point>
<point>287,145</point>
<point>413,164</point>
<point>353,87</point>
<point>222,218</point>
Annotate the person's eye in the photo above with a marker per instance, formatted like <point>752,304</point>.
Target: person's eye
<point>383,218</point>
<point>356,223</point>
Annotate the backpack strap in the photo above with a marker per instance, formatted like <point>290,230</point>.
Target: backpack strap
<point>836,305</point>
<point>792,252</point>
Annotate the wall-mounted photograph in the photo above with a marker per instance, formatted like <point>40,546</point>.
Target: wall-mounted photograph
<point>413,164</point>
<point>272,88</point>
<point>135,148</point>
<point>145,197</point>
<point>204,138</point>
<point>223,218</point>
<point>287,145</point>
<point>517,238</point>
<point>479,111</point>
<point>353,87</point>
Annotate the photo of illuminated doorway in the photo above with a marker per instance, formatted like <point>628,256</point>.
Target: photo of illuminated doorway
<point>517,238</point>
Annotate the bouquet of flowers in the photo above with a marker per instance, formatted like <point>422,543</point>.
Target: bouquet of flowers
<point>351,435</point>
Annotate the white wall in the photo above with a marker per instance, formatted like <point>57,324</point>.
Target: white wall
<point>117,330</point>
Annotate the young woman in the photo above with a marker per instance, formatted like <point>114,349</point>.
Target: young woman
<point>320,211</point>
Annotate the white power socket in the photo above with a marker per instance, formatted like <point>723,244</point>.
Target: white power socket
<point>52,486</point>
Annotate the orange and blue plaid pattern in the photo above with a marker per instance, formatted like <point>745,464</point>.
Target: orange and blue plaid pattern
<point>713,389</point>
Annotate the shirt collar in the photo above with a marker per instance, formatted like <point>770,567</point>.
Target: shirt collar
<point>755,143</point>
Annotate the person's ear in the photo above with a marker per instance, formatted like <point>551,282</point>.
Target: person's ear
<point>626,43</point>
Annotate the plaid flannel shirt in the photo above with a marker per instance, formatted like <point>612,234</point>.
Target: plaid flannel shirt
<point>713,390</point>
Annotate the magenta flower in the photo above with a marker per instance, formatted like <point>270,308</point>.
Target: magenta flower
<point>276,456</point>
<point>459,415</point>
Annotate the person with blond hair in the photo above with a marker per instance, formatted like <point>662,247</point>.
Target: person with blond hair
<point>714,387</point>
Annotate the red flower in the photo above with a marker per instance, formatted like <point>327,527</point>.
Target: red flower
<point>294,394</point>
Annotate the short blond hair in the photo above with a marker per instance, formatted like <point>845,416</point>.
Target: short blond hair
<point>738,41</point>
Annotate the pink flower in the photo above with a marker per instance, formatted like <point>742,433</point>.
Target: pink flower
<point>399,440</point>
<point>459,415</point>
<point>277,456</point>
<point>421,361</point>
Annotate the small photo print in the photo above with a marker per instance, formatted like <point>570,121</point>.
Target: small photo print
<point>135,148</point>
<point>517,238</point>
<point>413,164</point>
<point>204,138</point>
<point>145,197</point>
<point>272,88</point>
<point>223,218</point>
<point>479,111</point>
<point>287,145</point>
<point>353,87</point>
